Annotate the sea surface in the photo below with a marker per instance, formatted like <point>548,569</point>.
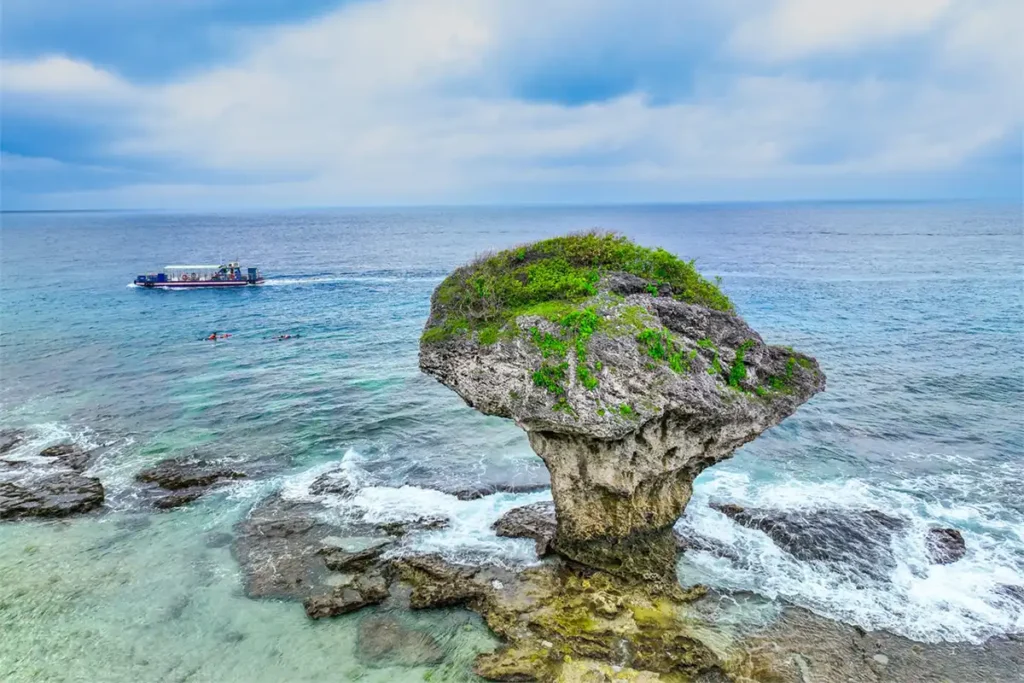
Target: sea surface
<point>913,310</point>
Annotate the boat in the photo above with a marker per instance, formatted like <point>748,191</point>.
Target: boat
<point>193,277</point>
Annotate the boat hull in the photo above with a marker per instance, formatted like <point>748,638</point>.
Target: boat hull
<point>199,285</point>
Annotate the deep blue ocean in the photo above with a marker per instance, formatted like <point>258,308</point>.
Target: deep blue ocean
<point>913,310</point>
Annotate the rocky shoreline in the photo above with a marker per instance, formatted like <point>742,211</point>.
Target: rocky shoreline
<point>630,374</point>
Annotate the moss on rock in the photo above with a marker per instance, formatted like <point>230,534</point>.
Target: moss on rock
<point>548,278</point>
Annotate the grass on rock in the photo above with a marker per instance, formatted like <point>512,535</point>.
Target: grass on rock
<point>548,277</point>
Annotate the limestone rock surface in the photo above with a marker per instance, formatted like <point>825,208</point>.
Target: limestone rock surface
<point>628,386</point>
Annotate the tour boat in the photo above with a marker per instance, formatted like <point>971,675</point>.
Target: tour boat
<point>189,277</point>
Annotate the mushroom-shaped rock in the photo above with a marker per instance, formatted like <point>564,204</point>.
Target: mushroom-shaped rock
<point>629,371</point>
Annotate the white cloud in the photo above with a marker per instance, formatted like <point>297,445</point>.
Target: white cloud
<point>791,29</point>
<point>59,76</point>
<point>398,101</point>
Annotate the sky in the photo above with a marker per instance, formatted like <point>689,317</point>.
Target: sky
<point>196,104</point>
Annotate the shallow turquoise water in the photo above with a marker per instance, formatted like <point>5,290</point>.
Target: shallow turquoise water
<point>914,312</point>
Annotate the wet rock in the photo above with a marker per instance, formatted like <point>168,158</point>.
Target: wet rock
<point>800,646</point>
<point>340,560</point>
<point>371,589</point>
<point>334,483</point>
<point>858,539</point>
<point>690,540</point>
<point>384,640</point>
<point>11,439</point>
<point>516,664</point>
<point>177,499</point>
<point>559,613</point>
<point>186,473</point>
<point>69,455</point>
<point>945,545</point>
<point>188,478</point>
<point>276,546</point>
<point>536,521</point>
<point>435,582</point>
<point>219,539</point>
<point>58,494</point>
<point>1015,593</point>
<point>479,491</point>
<point>421,523</point>
<point>627,397</point>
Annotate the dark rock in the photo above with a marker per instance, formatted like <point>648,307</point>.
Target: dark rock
<point>184,473</point>
<point>340,560</point>
<point>435,582</point>
<point>219,539</point>
<point>134,522</point>
<point>177,499</point>
<point>422,523</point>
<point>536,521</point>
<point>477,492</point>
<point>371,589</point>
<point>800,646</point>
<point>58,450</point>
<point>276,546</point>
<point>1015,593</point>
<point>693,541</point>
<point>69,455</point>
<point>10,438</point>
<point>335,483</point>
<point>945,545</point>
<point>859,539</point>
<point>54,495</point>
<point>384,640</point>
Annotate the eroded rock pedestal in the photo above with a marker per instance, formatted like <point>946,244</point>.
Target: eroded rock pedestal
<point>628,388</point>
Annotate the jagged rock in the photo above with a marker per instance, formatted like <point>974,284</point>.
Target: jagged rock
<point>421,523</point>
<point>371,589</point>
<point>514,664</point>
<point>185,473</point>
<point>69,455</point>
<point>860,539</point>
<point>58,494</point>
<point>188,478</point>
<point>629,372</point>
<point>536,521</point>
<point>558,613</point>
<point>435,582</point>
<point>10,438</point>
<point>800,646</point>
<point>384,640</point>
<point>694,541</point>
<point>340,560</point>
<point>479,491</point>
<point>177,499</point>
<point>335,483</point>
<point>945,545</point>
<point>276,546</point>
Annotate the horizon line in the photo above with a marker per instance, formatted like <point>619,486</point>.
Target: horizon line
<point>530,205</point>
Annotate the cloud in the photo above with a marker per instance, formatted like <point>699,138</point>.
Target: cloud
<point>430,101</point>
<point>792,29</point>
<point>59,76</point>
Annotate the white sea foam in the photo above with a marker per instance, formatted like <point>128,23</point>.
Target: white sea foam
<point>468,534</point>
<point>332,279</point>
<point>963,601</point>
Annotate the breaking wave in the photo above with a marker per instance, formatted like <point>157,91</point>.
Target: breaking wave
<point>972,599</point>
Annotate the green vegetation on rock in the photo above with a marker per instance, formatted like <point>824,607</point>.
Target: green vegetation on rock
<point>738,371</point>
<point>547,278</point>
<point>662,346</point>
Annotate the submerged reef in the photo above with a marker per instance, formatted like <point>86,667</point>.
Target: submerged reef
<point>630,372</point>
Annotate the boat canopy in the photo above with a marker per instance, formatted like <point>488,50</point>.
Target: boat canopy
<point>193,267</point>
